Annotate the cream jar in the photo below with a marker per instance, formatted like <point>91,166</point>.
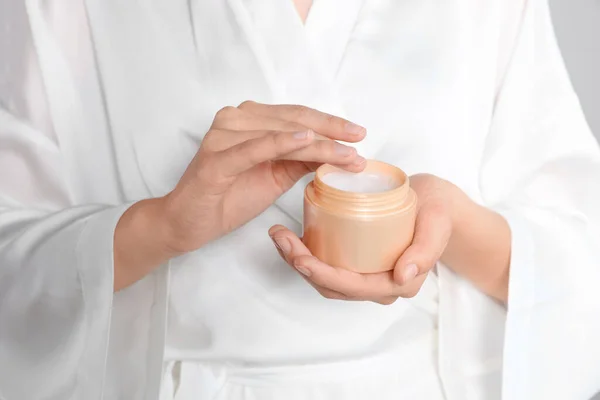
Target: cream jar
<point>362,222</point>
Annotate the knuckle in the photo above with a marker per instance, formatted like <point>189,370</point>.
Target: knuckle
<point>303,259</point>
<point>299,112</point>
<point>246,104</point>
<point>328,148</point>
<point>280,141</point>
<point>208,143</point>
<point>292,126</point>
<point>225,113</point>
<point>334,121</point>
<point>274,139</point>
<point>273,134</point>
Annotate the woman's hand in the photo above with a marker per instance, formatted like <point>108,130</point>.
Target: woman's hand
<point>432,233</point>
<point>251,155</point>
<point>472,240</point>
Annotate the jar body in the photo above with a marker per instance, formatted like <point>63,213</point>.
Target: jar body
<point>364,240</point>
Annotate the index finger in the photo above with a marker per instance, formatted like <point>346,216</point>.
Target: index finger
<point>322,123</point>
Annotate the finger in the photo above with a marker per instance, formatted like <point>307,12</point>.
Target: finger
<point>325,124</point>
<point>330,294</point>
<point>245,126</point>
<point>432,232</point>
<point>327,293</point>
<point>328,152</point>
<point>280,236</point>
<point>408,291</point>
<point>267,147</point>
<point>351,284</point>
<point>223,139</point>
<point>312,167</point>
<point>320,151</point>
<point>288,242</point>
<point>387,301</point>
<point>412,288</point>
<point>226,117</point>
<point>247,121</point>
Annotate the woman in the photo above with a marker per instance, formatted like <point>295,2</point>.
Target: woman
<point>136,197</point>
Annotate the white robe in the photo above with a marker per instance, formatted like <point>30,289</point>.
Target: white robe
<point>103,102</point>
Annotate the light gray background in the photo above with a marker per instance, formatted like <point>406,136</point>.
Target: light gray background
<point>577,24</point>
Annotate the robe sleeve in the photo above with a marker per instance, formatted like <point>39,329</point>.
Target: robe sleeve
<point>56,258</point>
<point>541,170</point>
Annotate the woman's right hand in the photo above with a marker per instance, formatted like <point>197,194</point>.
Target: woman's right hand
<point>251,155</point>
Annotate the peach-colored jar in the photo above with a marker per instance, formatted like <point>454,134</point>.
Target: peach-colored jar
<point>364,231</point>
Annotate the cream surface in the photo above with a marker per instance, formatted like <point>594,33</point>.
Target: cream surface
<point>363,182</point>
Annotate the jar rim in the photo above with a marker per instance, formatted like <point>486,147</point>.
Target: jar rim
<point>360,202</point>
<point>373,166</point>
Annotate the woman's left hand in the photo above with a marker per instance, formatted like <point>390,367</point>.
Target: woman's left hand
<point>432,232</point>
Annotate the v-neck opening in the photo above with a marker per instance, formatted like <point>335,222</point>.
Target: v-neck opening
<point>300,60</point>
<point>305,20</point>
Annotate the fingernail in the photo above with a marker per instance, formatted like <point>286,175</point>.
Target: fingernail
<point>303,135</point>
<point>304,271</point>
<point>410,272</point>
<point>282,244</point>
<point>343,150</point>
<point>359,160</point>
<point>354,129</point>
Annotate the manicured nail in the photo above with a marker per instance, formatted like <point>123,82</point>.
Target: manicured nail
<point>303,135</point>
<point>282,244</point>
<point>304,271</point>
<point>410,272</point>
<point>354,129</point>
<point>343,150</point>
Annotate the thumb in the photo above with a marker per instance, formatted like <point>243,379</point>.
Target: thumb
<point>432,232</point>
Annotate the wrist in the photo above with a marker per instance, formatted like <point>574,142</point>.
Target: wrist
<point>479,245</point>
<point>140,242</point>
<point>157,218</point>
<point>459,205</point>
<point>185,228</point>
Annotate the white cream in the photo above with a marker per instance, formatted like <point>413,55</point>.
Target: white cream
<point>363,182</point>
